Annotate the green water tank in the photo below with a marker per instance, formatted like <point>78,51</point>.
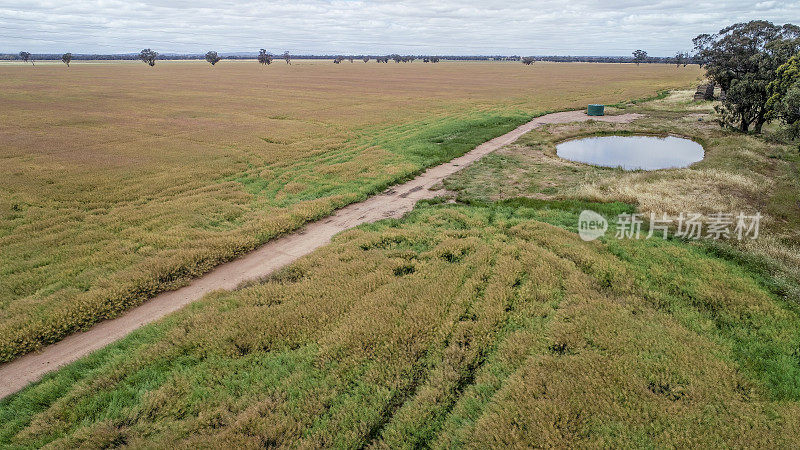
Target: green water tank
<point>596,110</point>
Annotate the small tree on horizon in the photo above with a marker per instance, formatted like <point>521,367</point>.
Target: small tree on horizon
<point>264,57</point>
<point>681,59</point>
<point>66,58</point>
<point>287,57</point>
<point>639,56</point>
<point>365,59</point>
<point>212,57</point>
<point>148,57</point>
<point>528,60</point>
<point>26,56</point>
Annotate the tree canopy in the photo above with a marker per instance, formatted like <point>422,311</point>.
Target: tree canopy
<point>784,91</point>
<point>264,57</point>
<point>639,56</point>
<point>66,58</point>
<point>212,57</point>
<point>25,56</point>
<point>743,59</point>
<point>682,59</point>
<point>148,57</point>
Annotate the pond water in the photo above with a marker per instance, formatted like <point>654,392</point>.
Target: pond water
<point>633,152</point>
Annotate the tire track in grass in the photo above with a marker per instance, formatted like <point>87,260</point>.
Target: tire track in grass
<point>524,332</point>
<point>541,292</point>
<point>465,351</point>
<point>430,360</point>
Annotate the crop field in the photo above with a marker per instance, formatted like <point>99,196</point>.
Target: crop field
<point>119,181</point>
<point>484,323</point>
<point>458,326</point>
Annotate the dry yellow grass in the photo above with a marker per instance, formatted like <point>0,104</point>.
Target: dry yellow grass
<point>120,180</point>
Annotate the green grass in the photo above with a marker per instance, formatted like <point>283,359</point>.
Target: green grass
<point>413,147</point>
<point>488,324</point>
<point>659,96</point>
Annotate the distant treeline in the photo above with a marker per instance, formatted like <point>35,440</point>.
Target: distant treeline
<point>169,56</point>
<point>616,59</point>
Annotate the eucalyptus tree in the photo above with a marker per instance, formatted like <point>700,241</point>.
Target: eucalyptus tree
<point>148,57</point>
<point>212,57</point>
<point>264,57</point>
<point>784,91</point>
<point>743,59</point>
<point>639,56</point>
<point>26,56</point>
<point>66,58</point>
<point>681,59</point>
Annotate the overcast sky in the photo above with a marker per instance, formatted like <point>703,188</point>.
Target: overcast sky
<point>578,27</point>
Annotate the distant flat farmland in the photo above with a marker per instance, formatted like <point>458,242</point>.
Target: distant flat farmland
<point>119,180</point>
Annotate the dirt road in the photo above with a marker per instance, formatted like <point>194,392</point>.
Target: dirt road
<point>395,202</point>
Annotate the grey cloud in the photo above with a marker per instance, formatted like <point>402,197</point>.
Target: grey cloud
<point>417,26</point>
